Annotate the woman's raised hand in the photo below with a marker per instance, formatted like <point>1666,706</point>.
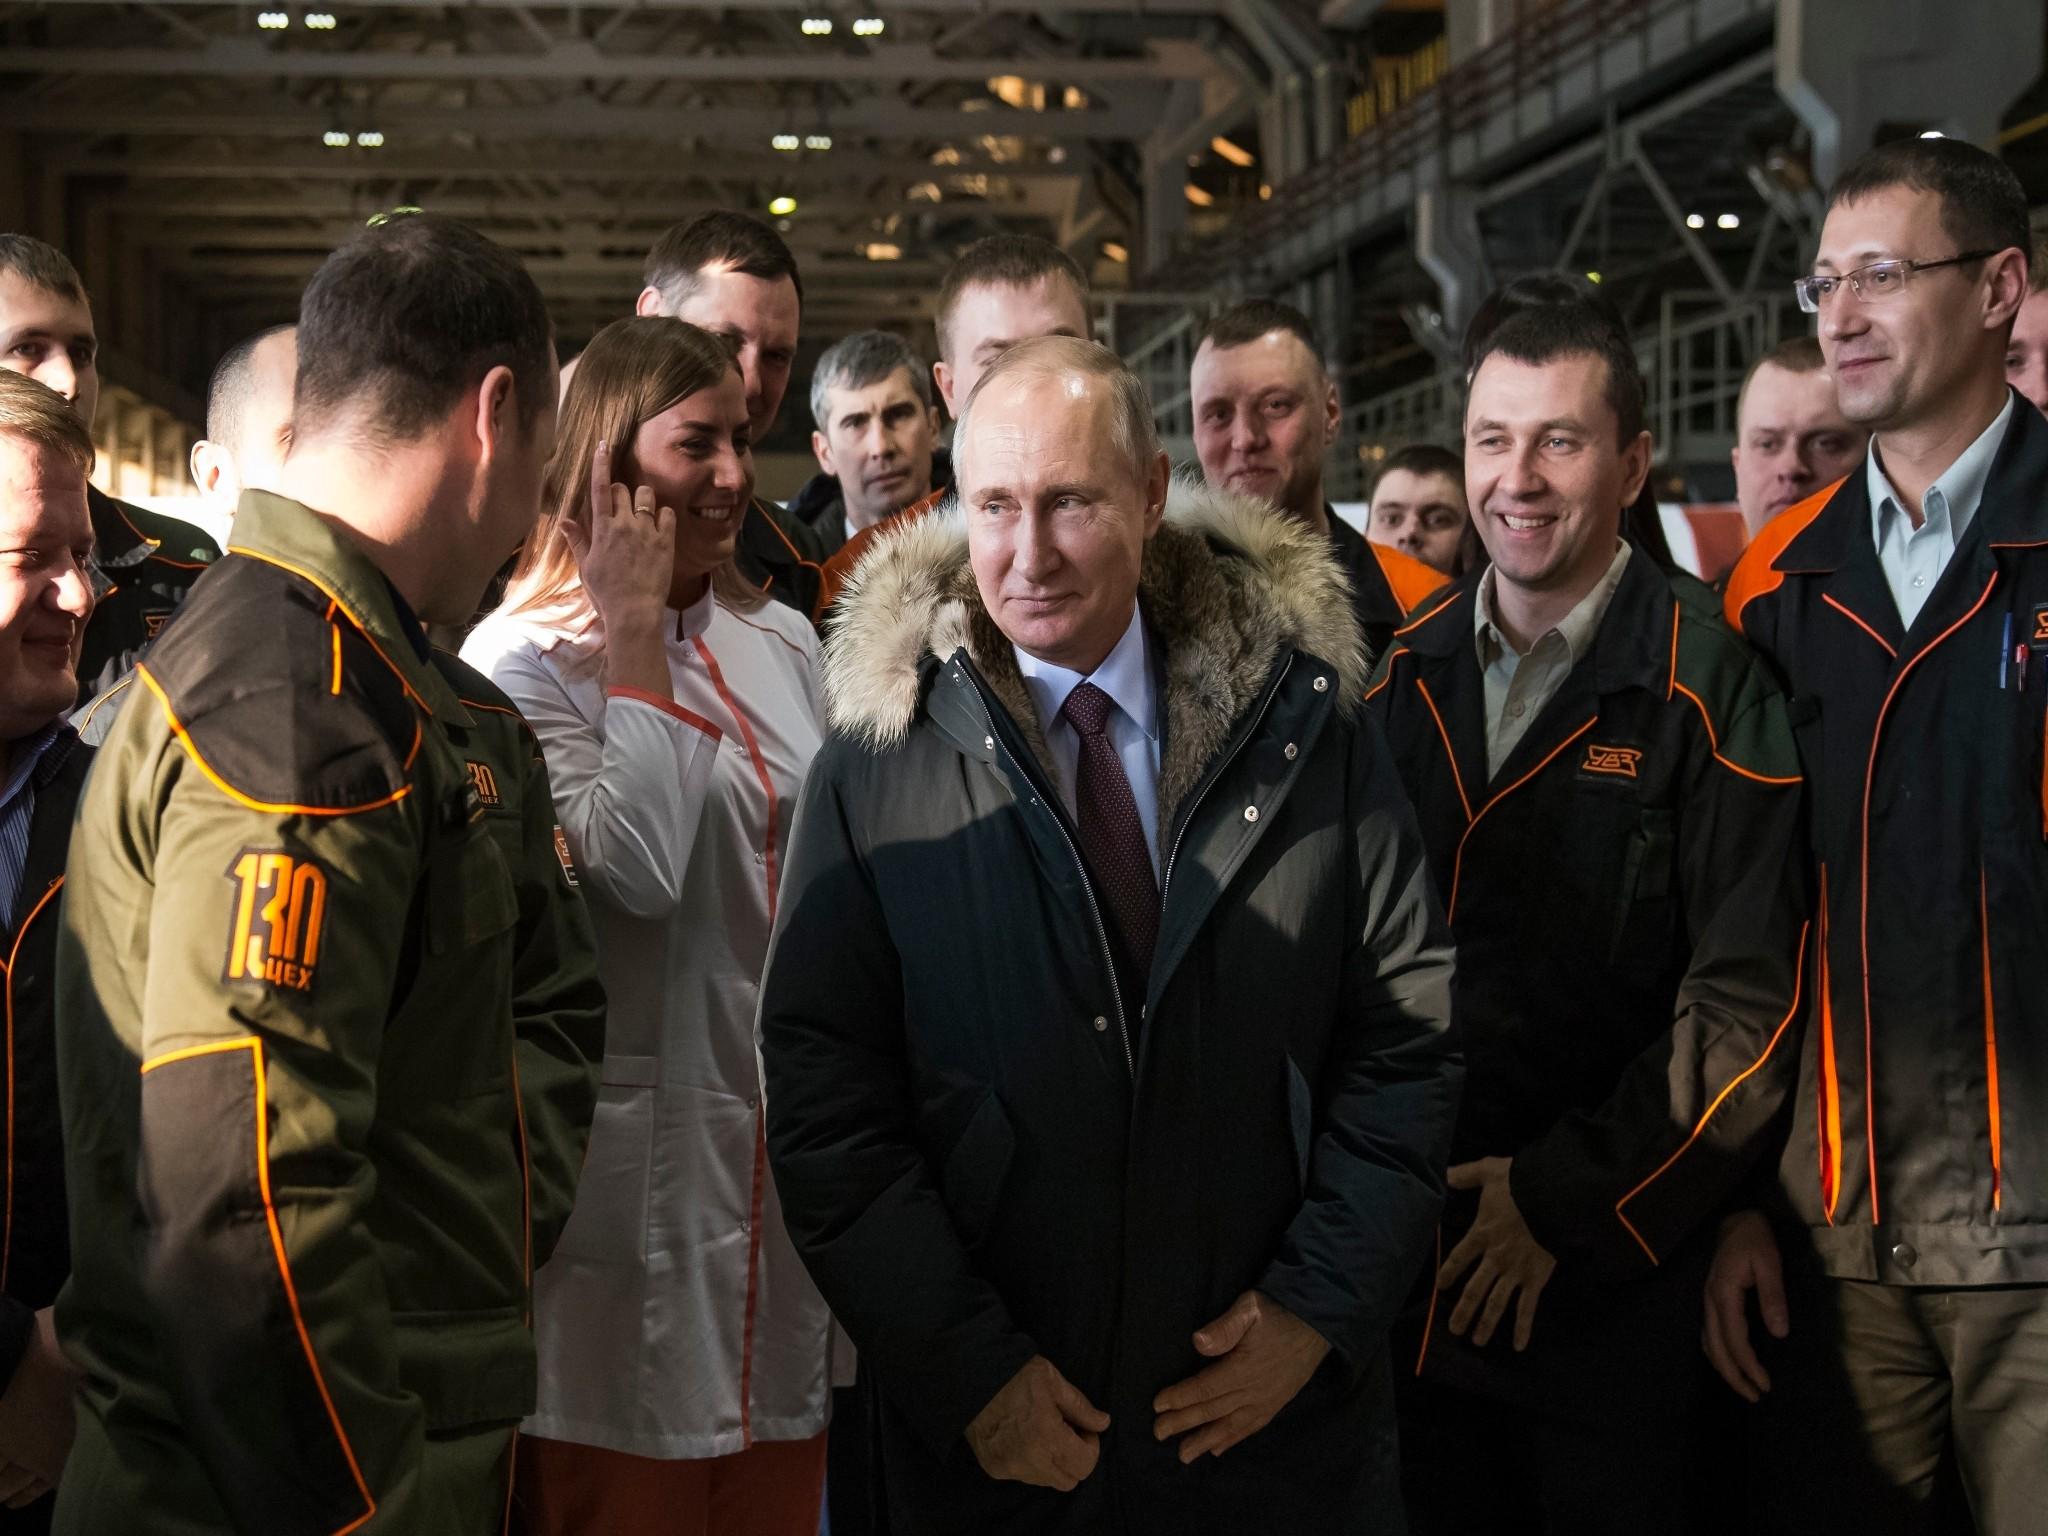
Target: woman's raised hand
<point>626,550</point>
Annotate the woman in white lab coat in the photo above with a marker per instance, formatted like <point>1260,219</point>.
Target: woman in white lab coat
<point>684,1354</point>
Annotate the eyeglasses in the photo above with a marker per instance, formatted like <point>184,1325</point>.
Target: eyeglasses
<point>1879,280</point>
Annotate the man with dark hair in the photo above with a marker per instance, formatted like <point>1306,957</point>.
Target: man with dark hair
<point>875,440</point>
<point>1791,437</point>
<point>1907,611</point>
<point>147,560</point>
<point>1265,416</point>
<point>2026,354</point>
<point>45,598</point>
<point>735,277</point>
<point>1000,291</point>
<point>1609,793</point>
<point>1418,508</point>
<point>321,1118</point>
<point>248,417</point>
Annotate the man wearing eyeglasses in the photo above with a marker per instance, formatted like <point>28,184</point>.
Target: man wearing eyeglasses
<point>1907,610</point>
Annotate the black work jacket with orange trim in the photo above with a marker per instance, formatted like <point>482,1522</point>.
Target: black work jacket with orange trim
<point>149,562</point>
<point>1626,898</point>
<point>35,1247</point>
<point>782,555</point>
<point>320,1112</point>
<point>1919,1153</point>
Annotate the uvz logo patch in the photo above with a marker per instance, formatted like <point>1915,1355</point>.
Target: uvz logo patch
<point>1617,762</point>
<point>280,912</point>
<point>2041,625</point>
<point>153,623</point>
<point>486,783</point>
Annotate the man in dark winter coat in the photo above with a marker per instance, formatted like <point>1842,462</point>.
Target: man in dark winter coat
<point>1109,1075</point>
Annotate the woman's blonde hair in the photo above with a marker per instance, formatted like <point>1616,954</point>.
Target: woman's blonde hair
<point>632,371</point>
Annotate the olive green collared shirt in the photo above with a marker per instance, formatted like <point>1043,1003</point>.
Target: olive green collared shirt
<point>1519,684</point>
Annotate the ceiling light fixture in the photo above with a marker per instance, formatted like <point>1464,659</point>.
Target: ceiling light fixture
<point>1729,221</point>
<point>334,138</point>
<point>817,26</point>
<point>786,142</point>
<point>1695,221</point>
<point>273,21</point>
<point>1115,252</point>
<point>818,141</point>
<point>1236,154</point>
<point>1199,197</point>
<point>882,250</point>
<point>319,21</point>
<point>868,26</point>
<point>782,206</point>
<point>370,138</point>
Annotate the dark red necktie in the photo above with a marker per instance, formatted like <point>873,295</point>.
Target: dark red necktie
<point>1111,833</point>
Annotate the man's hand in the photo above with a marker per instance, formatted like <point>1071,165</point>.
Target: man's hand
<point>1745,1260</point>
<point>35,1418</point>
<point>1039,1429</point>
<point>1264,1355</point>
<point>1502,1253</point>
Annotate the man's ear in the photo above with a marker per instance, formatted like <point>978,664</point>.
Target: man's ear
<point>1157,483</point>
<point>1333,411</point>
<point>823,450</point>
<point>943,377</point>
<point>2007,289</point>
<point>497,413</point>
<point>649,302</point>
<point>209,463</point>
<point>1637,457</point>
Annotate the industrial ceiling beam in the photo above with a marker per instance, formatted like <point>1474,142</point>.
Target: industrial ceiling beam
<point>255,58</point>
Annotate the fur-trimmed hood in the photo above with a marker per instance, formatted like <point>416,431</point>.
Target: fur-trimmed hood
<point>1226,585</point>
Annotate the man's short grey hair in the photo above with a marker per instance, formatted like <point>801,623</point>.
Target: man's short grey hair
<point>864,358</point>
<point>1132,428</point>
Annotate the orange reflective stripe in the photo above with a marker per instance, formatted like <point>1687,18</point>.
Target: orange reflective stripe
<point>1429,1317</point>
<point>254,1047</point>
<point>1798,980</point>
<point>1869,785</point>
<point>192,751</point>
<point>335,686</point>
<point>334,603</point>
<point>1414,624</point>
<point>1450,752</point>
<point>1990,1040</point>
<point>1830,1124</point>
<point>14,954</point>
<point>1829,599</point>
<point>1458,864</point>
<point>1714,742</point>
<point>1392,656</point>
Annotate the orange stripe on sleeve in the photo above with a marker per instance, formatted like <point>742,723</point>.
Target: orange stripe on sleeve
<point>254,1047</point>
<point>1798,979</point>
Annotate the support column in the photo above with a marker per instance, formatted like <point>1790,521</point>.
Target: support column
<point>1448,248</point>
<point>1849,69</point>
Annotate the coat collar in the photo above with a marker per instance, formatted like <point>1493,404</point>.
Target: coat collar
<point>2014,511</point>
<point>1226,585</point>
<point>283,533</point>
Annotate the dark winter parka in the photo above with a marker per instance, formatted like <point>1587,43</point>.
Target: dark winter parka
<point>987,1150</point>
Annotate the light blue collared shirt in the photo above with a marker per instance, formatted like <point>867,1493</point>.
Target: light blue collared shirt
<point>1914,558</point>
<point>1133,729</point>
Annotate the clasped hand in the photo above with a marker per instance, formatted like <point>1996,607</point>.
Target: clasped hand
<point>1041,1429</point>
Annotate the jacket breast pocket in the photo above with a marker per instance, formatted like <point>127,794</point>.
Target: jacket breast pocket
<point>608,1223</point>
<point>470,897</point>
<point>976,1168</point>
<point>1646,906</point>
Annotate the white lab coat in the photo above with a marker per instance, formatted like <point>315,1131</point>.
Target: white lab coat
<point>675,1320</point>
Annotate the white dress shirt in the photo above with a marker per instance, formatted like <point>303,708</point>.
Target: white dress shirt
<point>1133,729</point>
<point>1914,558</point>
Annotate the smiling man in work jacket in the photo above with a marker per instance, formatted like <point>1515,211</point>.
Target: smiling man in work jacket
<point>1907,610</point>
<point>1108,1077</point>
<point>1609,792</point>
